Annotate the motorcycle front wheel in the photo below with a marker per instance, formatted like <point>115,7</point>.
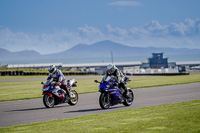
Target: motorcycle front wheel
<point>48,101</point>
<point>105,100</point>
<point>73,100</point>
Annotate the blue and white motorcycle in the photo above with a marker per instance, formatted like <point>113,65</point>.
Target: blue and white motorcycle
<point>111,94</point>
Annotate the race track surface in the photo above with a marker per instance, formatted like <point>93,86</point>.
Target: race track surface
<point>28,111</point>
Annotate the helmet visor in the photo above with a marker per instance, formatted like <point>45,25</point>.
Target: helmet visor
<point>52,70</point>
<point>109,71</point>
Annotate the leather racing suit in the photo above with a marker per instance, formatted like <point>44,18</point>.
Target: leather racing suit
<point>58,77</point>
<point>117,75</point>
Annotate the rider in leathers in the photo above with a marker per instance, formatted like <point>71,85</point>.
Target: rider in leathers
<point>57,76</point>
<point>116,74</point>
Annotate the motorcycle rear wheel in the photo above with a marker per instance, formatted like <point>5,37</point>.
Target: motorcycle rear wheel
<point>105,100</point>
<point>48,101</point>
<point>73,101</point>
<point>129,101</point>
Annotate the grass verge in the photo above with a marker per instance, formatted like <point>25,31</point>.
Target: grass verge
<point>32,89</point>
<point>152,81</point>
<point>177,118</point>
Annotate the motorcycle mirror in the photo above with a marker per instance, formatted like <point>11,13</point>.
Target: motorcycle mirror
<point>96,81</point>
<point>42,83</point>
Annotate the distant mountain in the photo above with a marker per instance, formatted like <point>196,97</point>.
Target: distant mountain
<point>99,49</point>
<point>6,55</point>
<point>104,49</point>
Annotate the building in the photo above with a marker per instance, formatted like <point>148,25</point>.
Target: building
<point>157,64</point>
<point>158,61</point>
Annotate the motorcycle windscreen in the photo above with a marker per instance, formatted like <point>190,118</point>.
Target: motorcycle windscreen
<point>103,86</point>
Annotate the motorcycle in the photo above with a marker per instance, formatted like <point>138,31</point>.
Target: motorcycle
<point>54,95</point>
<point>111,94</point>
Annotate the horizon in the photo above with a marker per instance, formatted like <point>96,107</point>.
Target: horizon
<point>48,26</point>
<point>100,42</point>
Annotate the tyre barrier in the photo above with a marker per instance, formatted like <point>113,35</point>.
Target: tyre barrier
<point>13,73</point>
<point>18,73</point>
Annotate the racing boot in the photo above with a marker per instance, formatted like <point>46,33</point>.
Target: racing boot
<point>121,100</point>
<point>65,96</point>
<point>126,94</point>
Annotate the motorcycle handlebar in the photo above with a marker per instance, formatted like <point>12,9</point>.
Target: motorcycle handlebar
<point>96,81</point>
<point>53,83</point>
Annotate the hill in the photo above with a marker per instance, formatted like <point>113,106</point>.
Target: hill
<point>104,49</point>
<point>6,55</point>
<point>99,49</point>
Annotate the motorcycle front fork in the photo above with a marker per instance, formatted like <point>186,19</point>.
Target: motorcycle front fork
<point>107,97</point>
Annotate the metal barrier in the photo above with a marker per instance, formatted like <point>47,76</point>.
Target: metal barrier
<point>18,73</point>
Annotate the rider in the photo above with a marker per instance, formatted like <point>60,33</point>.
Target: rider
<point>57,76</point>
<point>115,73</point>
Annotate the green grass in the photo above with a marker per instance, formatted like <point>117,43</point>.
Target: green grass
<point>151,81</point>
<point>20,90</point>
<point>181,117</point>
<point>32,89</point>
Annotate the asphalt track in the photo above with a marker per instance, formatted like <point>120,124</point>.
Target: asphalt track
<point>29,111</point>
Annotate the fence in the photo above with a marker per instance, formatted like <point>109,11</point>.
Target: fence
<point>18,73</point>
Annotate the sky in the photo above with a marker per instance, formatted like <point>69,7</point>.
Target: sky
<point>50,26</point>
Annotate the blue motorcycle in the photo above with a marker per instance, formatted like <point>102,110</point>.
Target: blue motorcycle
<point>111,94</point>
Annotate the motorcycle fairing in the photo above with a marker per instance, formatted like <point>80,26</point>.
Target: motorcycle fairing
<point>114,92</point>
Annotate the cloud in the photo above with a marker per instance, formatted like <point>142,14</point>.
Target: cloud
<point>185,34</point>
<point>43,43</point>
<point>89,30</point>
<point>116,31</point>
<point>125,3</point>
<point>8,38</point>
<point>187,28</point>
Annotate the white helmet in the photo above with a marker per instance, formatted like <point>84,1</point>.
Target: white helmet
<point>52,69</point>
<point>110,68</point>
